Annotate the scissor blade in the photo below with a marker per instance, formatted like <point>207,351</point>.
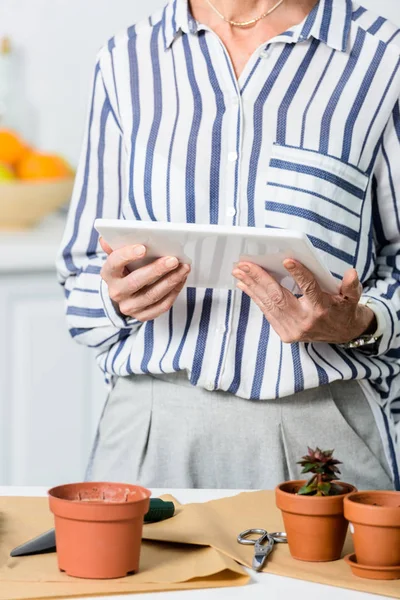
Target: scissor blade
<point>261,554</point>
<point>258,562</point>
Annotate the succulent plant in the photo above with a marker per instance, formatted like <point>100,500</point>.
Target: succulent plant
<point>324,468</point>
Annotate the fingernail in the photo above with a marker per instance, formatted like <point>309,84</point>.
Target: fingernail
<point>244,268</point>
<point>289,264</point>
<point>171,262</point>
<point>186,268</point>
<point>139,250</point>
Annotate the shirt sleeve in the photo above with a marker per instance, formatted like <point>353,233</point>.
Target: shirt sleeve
<point>93,319</point>
<point>383,288</point>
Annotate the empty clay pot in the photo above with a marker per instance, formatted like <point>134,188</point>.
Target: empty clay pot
<point>375,524</point>
<point>99,528</point>
<point>315,526</point>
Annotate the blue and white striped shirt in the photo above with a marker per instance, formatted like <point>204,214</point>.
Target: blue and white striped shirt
<point>308,139</point>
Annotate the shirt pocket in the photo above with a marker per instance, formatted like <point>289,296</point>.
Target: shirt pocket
<point>321,196</point>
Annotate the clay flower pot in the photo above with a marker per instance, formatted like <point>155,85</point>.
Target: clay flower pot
<point>315,526</point>
<point>99,528</point>
<point>375,524</point>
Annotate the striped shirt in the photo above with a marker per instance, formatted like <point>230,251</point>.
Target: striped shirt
<point>308,138</point>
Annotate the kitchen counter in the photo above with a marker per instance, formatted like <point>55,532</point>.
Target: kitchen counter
<point>32,249</point>
<point>263,585</point>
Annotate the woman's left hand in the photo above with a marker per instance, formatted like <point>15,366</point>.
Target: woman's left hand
<point>314,317</point>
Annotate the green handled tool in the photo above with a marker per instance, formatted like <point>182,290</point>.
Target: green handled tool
<point>159,510</point>
<point>46,542</point>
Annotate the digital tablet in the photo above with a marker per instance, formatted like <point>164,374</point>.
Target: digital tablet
<point>213,250</point>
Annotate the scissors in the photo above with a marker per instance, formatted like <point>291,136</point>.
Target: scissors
<point>263,545</point>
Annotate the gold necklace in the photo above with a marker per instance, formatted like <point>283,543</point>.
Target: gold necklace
<point>245,23</point>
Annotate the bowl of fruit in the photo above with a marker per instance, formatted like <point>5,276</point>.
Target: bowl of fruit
<point>32,184</point>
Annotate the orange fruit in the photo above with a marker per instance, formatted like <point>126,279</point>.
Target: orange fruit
<point>38,166</point>
<point>12,148</point>
<point>6,173</point>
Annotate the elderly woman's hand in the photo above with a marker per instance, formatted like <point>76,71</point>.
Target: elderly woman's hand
<point>314,317</point>
<point>147,292</point>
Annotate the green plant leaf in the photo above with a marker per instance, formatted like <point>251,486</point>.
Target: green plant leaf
<point>324,488</point>
<point>308,467</point>
<point>307,489</point>
<point>322,464</point>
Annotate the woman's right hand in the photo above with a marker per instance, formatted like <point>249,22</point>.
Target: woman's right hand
<point>147,292</point>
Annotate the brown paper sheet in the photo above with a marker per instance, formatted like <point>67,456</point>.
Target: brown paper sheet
<point>218,522</point>
<point>163,566</point>
<point>204,535</point>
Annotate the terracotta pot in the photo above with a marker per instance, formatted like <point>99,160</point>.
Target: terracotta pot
<point>315,526</point>
<point>99,528</point>
<point>375,524</point>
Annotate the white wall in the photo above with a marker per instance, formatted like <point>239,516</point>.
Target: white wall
<point>386,8</point>
<point>57,41</point>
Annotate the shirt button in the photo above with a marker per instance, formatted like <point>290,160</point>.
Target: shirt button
<point>231,212</point>
<point>220,330</point>
<point>209,386</point>
<point>235,101</point>
<point>264,54</point>
<point>232,156</point>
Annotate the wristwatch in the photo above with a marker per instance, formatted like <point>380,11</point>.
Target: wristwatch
<point>371,341</point>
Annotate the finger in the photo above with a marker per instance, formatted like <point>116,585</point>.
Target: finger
<point>305,280</point>
<point>107,249</point>
<point>246,290</point>
<point>249,273</point>
<point>287,332</point>
<point>115,265</point>
<point>125,287</point>
<point>265,289</point>
<point>152,294</point>
<point>160,307</point>
<point>351,287</point>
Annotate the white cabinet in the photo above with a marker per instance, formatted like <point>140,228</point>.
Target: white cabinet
<point>51,391</point>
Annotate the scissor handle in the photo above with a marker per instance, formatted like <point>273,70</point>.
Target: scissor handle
<point>279,537</point>
<point>243,538</point>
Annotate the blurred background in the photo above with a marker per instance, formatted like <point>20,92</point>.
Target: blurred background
<point>51,392</point>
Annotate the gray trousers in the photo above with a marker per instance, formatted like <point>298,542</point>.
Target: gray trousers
<point>164,432</point>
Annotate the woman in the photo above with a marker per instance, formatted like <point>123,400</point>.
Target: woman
<point>257,113</point>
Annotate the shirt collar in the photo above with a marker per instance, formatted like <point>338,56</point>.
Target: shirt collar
<point>177,18</point>
<point>329,21</point>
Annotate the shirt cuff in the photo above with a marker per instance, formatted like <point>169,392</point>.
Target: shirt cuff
<point>112,311</point>
<point>384,319</point>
